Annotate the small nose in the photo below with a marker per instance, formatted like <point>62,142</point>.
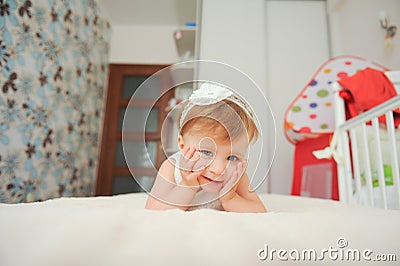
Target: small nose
<point>217,167</point>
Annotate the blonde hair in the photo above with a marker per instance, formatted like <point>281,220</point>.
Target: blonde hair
<point>225,118</point>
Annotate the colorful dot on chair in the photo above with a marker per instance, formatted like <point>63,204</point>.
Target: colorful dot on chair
<point>296,109</point>
<point>328,104</point>
<point>305,130</point>
<point>342,75</point>
<point>347,63</point>
<point>304,96</point>
<point>313,116</point>
<point>313,105</point>
<point>289,125</point>
<point>324,126</point>
<point>327,70</point>
<point>313,82</point>
<point>322,93</point>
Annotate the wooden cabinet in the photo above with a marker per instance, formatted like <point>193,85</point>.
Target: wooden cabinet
<point>114,176</point>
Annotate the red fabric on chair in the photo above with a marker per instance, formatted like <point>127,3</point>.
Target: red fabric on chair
<point>365,90</point>
<point>303,157</point>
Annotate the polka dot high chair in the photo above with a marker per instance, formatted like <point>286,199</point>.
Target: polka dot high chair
<point>309,124</point>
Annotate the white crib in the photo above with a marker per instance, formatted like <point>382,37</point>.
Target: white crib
<point>367,155</point>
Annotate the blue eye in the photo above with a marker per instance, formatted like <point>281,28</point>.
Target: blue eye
<point>232,158</point>
<point>206,153</point>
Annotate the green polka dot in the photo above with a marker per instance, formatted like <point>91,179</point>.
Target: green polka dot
<point>322,93</point>
<point>296,109</point>
<point>324,126</point>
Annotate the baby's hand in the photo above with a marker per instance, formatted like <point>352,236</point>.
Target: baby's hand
<point>189,170</point>
<point>228,190</point>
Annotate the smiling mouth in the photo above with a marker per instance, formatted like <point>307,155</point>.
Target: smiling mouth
<point>212,180</point>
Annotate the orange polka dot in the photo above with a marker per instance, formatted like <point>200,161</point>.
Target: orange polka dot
<point>328,104</point>
<point>327,70</point>
<point>289,125</point>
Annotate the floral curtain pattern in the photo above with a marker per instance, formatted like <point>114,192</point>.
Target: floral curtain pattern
<point>53,74</point>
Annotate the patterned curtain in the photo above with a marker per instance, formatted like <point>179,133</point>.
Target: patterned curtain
<point>53,75</point>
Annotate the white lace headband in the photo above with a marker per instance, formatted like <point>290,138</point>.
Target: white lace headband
<point>209,94</point>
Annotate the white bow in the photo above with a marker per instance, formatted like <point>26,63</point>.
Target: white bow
<point>330,151</point>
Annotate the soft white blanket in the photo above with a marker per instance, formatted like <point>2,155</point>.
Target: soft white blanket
<point>118,231</point>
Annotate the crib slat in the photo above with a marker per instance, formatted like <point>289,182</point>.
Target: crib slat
<point>340,113</point>
<point>342,183</point>
<point>394,156</point>
<point>367,162</point>
<point>344,139</point>
<point>379,162</point>
<point>356,163</point>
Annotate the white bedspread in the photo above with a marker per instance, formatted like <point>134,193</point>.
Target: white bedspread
<point>118,231</point>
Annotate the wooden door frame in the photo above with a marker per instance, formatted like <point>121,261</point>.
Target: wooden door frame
<point>110,134</point>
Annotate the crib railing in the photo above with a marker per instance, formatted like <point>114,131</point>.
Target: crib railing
<point>356,185</point>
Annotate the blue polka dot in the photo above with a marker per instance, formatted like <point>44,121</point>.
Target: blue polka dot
<point>313,105</point>
<point>313,83</point>
<point>330,82</point>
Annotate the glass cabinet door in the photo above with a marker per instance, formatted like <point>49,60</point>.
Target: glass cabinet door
<point>142,158</point>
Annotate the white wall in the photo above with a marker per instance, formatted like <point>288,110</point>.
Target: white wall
<point>297,44</point>
<point>355,29</point>
<point>232,32</point>
<point>143,44</point>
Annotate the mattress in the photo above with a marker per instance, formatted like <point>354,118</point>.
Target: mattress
<point>117,230</point>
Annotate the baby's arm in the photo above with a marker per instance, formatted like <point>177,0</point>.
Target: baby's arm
<point>166,194</point>
<point>240,199</point>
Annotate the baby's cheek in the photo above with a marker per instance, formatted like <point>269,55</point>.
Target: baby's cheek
<point>202,163</point>
<point>230,168</point>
